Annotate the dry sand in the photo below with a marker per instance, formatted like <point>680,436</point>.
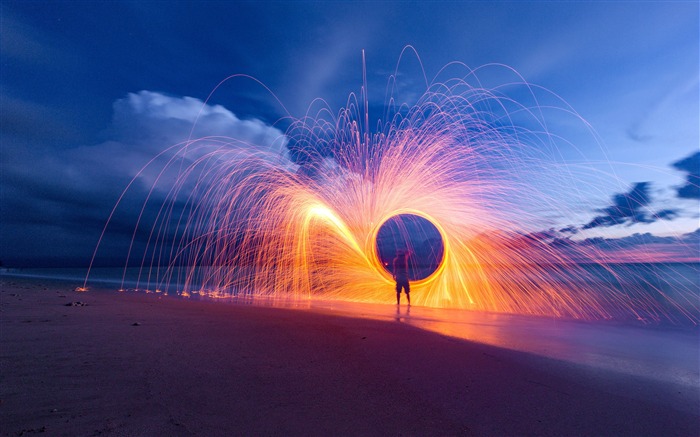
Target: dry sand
<point>137,364</point>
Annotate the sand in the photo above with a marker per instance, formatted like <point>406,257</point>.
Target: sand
<point>130,364</point>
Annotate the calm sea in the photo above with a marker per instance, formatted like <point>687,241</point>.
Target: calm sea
<point>677,281</point>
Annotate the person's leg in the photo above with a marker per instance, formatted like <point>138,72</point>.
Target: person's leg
<point>398,293</point>
<point>407,289</point>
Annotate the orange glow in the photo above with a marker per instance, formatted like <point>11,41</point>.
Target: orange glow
<point>256,225</point>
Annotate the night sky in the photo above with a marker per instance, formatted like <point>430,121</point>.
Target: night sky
<point>91,91</point>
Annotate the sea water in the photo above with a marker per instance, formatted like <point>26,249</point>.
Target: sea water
<point>662,282</point>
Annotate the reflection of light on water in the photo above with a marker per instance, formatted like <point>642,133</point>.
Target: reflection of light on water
<point>478,164</point>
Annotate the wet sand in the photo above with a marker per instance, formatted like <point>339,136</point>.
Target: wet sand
<point>142,364</point>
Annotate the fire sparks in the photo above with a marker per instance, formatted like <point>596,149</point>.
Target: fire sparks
<point>473,162</point>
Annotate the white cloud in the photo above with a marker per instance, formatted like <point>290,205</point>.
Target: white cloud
<point>61,191</point>
<point>158,121</point>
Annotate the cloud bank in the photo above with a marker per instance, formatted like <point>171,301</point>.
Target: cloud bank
<point>54,216</point>
<point>690,165</point>
<point>628,208</point>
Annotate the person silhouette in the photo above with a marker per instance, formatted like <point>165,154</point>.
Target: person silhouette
<point>400,270</point>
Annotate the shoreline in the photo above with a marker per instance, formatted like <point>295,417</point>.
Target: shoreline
<point>142,364</point>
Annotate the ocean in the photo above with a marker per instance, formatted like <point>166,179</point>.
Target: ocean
<point>678,283</point>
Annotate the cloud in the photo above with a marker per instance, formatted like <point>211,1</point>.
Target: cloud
<point>56,201</point>
<point>665,214</point>
<point>630,241</point>
<point>21,42</point>
<point>634,206</point>
<point>634,133</point>
<point>630,207</point>
<point>626,207</point>
<point>638,247</point>
<point>646,247</point>
<point>25,119</point>
<point>155,119</point>
<point>691,165</point>
<point>546,246</point>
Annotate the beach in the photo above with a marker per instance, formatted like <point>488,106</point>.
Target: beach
<point>137,364</point>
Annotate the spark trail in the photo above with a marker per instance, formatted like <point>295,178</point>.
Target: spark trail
<point>477,164</point>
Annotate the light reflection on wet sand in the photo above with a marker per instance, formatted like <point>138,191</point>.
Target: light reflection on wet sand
<point>662,352</point>
<point>665,353</point>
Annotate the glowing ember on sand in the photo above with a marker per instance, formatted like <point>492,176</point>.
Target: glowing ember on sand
<point>477,164</point>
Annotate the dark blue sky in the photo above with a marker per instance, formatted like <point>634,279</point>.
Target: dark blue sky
<point>84,85</point>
